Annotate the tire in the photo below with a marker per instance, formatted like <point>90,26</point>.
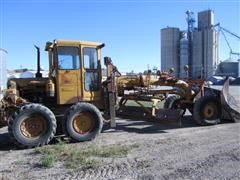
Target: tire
<point>83,122</point>
<point>207,110</point>
<point>32,125</point>
<point>171,102</point>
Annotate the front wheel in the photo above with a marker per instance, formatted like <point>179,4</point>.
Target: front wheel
<point>207,110</point>
<point>83,122</point>
<point>32,125</point>
<point>174,102</point>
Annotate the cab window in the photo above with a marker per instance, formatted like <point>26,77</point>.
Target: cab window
<point>91,80</point>
<point>90,58</point>
<point>68,58</point>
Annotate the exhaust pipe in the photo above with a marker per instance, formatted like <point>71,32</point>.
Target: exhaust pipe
<point>38,73</point>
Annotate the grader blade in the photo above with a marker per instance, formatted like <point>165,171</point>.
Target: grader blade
<point>230,106</point>
<point>172,116</point>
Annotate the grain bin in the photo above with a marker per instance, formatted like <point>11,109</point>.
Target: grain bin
<point>170,37</point>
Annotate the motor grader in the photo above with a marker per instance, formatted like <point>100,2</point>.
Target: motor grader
<point>207,105</point>
<point>74,97</point>
<point>73,94</point>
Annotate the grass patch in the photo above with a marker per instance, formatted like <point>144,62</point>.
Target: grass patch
<point>86,158</point>
<point>48,160</point>
<point>109,151</point>
<point>51,154</point>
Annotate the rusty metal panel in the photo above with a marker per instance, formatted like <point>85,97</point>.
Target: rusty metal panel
<point>112,109</point>
<point>67,86</point>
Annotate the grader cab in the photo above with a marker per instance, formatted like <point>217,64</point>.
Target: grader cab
<point>73,94</point>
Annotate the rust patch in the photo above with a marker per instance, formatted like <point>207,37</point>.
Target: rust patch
<point>65,80</point>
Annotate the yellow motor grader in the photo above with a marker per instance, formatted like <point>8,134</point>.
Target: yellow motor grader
<point>73,93</point>
<point>74,97</point>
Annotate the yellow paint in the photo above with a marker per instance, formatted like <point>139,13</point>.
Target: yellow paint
<point>68,86</point>
<point>92,95</point>
<point>70,83</point>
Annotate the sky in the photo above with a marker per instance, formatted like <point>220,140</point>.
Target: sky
<point>130,29</point>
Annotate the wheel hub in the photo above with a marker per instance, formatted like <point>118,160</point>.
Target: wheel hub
<point>83,123</point>
<point>210,110</point>
<point>33,126</point>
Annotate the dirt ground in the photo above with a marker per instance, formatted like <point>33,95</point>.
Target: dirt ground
<point>165,152</point>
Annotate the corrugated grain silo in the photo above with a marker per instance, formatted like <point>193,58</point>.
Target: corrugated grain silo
<point>211,59</point>
<point>170,43</point>
<point>196,69</point>
<point>184,55</point>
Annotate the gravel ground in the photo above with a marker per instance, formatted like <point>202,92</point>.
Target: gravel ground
<point>165,152</point>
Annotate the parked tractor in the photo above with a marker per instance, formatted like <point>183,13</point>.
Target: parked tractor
<point>72,94</point>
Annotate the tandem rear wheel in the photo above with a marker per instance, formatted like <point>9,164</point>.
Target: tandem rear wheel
<point>32,125</point>
<point>83,122</point>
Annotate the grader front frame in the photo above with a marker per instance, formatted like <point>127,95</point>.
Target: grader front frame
<point>178,96</point>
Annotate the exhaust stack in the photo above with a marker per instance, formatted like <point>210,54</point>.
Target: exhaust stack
<point>38,73</point>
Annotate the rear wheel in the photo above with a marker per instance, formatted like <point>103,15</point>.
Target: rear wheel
<point>32,125</point>
<point>83,122</point>
<point>207,110</point>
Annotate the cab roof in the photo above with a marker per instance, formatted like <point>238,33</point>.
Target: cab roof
<point>75,42</point>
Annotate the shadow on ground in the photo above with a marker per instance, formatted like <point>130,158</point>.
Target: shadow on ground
<point>137,120</point>
<point>146,125</point>
<point>143,125</point>
<point>134,121</point>
<point>5,141</point>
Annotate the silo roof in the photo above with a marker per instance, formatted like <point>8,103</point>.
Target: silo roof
<point>170,28</point>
